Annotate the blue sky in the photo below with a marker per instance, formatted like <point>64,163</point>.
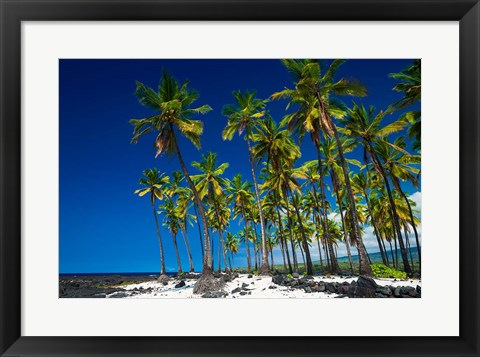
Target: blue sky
<point>104,227</point>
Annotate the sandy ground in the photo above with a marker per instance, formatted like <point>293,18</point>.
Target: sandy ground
<point>258,288</point>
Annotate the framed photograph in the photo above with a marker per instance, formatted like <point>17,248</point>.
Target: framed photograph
<point>239,178</point>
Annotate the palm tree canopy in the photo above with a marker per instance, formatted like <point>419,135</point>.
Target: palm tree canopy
<point>315,86</point>
<point>410,84</point>
<point>172,102</point>
<point>210,183</point>
<point>243,115</point>
<point>153,182</point>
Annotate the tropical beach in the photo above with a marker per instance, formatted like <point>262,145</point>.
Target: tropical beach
<point>299,179</point>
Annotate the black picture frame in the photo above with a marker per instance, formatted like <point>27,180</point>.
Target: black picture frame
<point>13,12</point>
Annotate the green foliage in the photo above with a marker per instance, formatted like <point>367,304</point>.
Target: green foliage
<point>289,276</point>
<point>382,271</point>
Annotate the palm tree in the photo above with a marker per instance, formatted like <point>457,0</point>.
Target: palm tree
<point>241,196</point>
<point>244,116</point>
<point>232,244</point>
<point>154,183</point>
<point>185,218</point>
<point>172,222</point>
<point>210,185</point>
<point>186,195</point>
<point>361,184</point>
<point>312,94</point>
<point>275,144</point>
<point>399,166</point>
<point>172,102</point>
<point>410,84</point>
<point>365,126</point>
<point>311,173</point>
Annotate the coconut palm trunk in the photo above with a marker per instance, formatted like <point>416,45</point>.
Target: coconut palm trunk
<point>292,243</point>
<point>365,268</point>
<point>162,257</point>
<point>207,261</point>
<point>375,230</point>
<point>199,229</point>
<point>264,268</point>
<point>315,219</point>
<point>340,208</point>
<point>177,253</point>
<point>412,223</point>
<point>326,231</point>
<point>284,242</point>
<point>306,250</point>
<point>378,164</point>
<point>189,253</point>
<point>249,260</point>
<point>224,253</point>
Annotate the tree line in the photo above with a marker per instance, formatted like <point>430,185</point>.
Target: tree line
<point>287,206</point>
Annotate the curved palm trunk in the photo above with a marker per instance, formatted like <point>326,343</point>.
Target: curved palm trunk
<point>264,269</point>
<point>249,261</point>
<point>365,268</point>
<point>377,163</point>
<point>309,265</point>
<point>407,239</point>
<point>340,208</point>
<point>375,230</point>
<point>207,260</point>
<point>189,253</point>
<point>326,231</point>
<point>223,250</point>
<point>294,254</point>
<point>315,219</point>
<point>162,257</point>
<point>199,229</point>
<point>412,223</point>
<point>271,258</point>
<point>284,242</point>
<point>179,262</point>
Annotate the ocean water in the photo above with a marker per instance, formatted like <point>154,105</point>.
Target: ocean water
<point>377,257</point>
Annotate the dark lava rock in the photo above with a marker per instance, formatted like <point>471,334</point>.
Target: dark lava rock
<point>413,293</point>
<point>320,288</point>
<point>365,287</point>
<point>385,291</point>
<point>236,290</point>
<point>245,293</point>
<point>343,289</point>
<point>366,282</point>
<point>277,279</point>
<point>419,289</point>
<point>214,294</point>
<point>181,284</point>
<point>244,285</point>
<point>331,287</point>
<point>397,292</point>
<point>272,287</point>
<point>355,291</point>
<point>250,276</point>
<point>307,289</point>
<point>296,275</point>
<point>119,295</point>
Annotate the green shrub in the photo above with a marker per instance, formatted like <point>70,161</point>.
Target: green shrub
<point>382,271</point>
<point>289,276</point>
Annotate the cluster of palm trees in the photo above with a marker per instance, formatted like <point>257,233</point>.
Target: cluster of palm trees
<point>286,204</point>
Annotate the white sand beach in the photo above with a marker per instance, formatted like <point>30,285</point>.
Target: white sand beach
<point>255,287</point>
